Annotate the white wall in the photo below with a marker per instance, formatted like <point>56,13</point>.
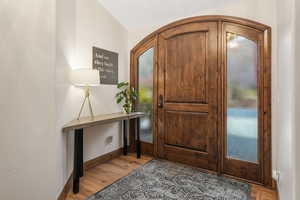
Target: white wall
<point>28,141</point>
<point>286,99</point>
<point>263,11</point>
<point>297,99</point>
<point>40,42</point>
<point>80,26</point>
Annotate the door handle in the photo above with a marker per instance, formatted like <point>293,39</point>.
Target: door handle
<point>161,101</point>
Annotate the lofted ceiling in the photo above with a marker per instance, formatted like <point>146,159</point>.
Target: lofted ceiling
<point>138,14</point>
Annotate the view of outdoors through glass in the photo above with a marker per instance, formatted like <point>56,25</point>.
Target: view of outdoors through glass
<point>145,90</point>
<point>242,101</point>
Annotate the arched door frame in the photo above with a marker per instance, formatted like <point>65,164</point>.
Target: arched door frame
<point>152,41</point>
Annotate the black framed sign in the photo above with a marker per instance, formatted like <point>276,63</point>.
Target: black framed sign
<point>107,63</point>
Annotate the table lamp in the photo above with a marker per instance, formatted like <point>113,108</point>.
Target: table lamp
<point>85,78</point>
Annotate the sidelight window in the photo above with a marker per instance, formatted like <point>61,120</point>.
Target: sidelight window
<point>242,98</point>
<point>145,90</point>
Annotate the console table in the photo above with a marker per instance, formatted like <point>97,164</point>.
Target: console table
<point>79,125</point>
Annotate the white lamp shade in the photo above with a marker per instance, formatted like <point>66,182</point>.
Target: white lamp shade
<point>85,77</point>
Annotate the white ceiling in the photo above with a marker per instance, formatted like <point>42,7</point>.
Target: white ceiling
<point>139,14</point>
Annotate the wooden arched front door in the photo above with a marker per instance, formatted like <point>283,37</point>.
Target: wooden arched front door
<point>210,95</point>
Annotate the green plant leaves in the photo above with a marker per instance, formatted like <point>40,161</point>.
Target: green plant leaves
<point>122,84</point>
<point>119,99</point>
<point>119,94</point>
<point>126,96</point>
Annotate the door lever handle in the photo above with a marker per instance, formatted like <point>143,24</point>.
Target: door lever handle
<point>160,101</point>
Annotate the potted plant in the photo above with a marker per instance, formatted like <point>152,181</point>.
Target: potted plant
<point>126,96</point>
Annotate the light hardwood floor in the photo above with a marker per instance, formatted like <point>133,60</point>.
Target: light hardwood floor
<point>105,174</point>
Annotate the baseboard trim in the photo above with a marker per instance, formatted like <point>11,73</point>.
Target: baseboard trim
<point>274,184</point>
<point>275,187</point>
<point>101,159</point>
<point>87,165</point>
<point>66,189</point>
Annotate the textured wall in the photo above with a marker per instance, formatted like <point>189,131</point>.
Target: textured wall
<point>286,99</point>
<point>28,167</point>
<point>297,99</point>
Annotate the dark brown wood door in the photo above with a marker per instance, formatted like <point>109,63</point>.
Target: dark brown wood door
<point>187,94</point>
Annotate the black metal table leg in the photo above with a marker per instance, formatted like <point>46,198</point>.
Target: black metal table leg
<point>81,153</point>
<point>138,142</point>
<point>78,159</point>
<point>125,137</point>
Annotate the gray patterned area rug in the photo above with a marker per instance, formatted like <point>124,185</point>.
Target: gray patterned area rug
<point>164,180</point>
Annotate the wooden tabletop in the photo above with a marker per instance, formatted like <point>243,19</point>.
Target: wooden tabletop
<point>86,122</point>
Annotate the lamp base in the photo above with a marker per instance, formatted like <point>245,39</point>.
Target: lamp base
<point>87,97</point>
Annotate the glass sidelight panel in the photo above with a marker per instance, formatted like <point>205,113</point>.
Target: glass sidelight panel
<point>145,90</point>
<point>242,98</point>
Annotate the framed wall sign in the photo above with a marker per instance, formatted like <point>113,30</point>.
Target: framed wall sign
<point>107,63</point>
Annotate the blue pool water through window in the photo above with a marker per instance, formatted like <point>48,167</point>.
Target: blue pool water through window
<point>242,134</point>
<point>242,99</point>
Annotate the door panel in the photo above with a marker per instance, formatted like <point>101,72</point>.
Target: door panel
<point>243,60</point>
<point>180,82</point>
<point>183,130</point>
<point>187,86</point>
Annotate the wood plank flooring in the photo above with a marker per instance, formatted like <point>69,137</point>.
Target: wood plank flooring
<point>105,174</point>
